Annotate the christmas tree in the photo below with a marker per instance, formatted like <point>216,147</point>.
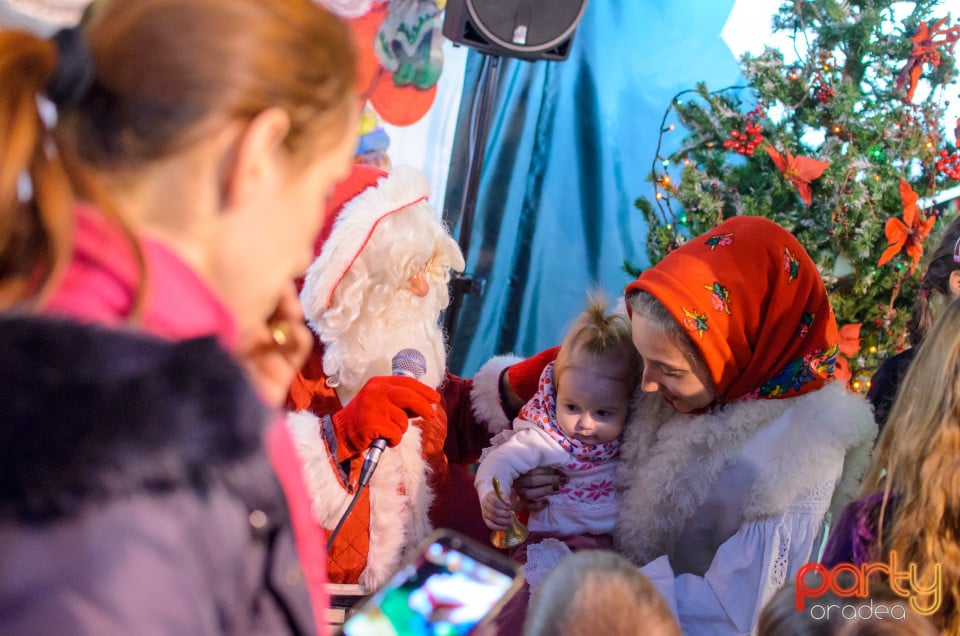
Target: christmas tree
<point>836,145</point>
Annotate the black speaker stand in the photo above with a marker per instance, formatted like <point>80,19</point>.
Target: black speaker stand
<point>482,105</point>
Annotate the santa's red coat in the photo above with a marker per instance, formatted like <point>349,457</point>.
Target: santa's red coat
<point>421,484</point>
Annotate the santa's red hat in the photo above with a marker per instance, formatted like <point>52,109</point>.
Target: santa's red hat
<point>358,204</point>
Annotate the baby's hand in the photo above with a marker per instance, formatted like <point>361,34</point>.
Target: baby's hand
<point>497,514</point>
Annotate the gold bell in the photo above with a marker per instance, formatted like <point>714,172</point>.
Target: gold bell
<point>513,536</point>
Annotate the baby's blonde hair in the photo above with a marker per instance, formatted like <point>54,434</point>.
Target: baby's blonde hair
<point>599,334</point>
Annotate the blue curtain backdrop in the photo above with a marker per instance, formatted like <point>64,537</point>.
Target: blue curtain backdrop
<point>568,149</point>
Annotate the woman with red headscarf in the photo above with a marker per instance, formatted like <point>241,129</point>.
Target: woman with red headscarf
<point>741,445</point>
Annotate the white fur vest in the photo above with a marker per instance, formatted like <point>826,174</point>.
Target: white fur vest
<point>671,461</point>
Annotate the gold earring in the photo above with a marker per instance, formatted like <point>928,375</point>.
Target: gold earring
<point>280,332</point>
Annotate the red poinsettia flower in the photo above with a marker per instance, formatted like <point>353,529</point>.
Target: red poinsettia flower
<point>925,43</point>
<point>849,342</point>
<point>910,233</point>
<point>841,370</point>
<point>800,171</point>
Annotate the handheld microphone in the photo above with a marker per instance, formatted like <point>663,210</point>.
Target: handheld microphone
<point>408,362</point>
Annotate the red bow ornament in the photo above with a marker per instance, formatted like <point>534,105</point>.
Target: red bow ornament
<point>925,43</point>
<point>800,171</point>
<point>849,339</point>
<point>841,370</point>
<point>849,344</point>
<point>910,233</point>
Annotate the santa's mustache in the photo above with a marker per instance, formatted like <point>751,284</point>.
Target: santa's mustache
<point>366,348</point>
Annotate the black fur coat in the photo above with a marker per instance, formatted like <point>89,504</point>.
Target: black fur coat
<point>135,496</point>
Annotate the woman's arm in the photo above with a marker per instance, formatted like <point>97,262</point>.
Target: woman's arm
<point>745,572</point>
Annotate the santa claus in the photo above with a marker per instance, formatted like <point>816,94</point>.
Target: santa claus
<point>376,287</point>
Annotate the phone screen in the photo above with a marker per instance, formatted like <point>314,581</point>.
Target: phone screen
<point>447,590</point>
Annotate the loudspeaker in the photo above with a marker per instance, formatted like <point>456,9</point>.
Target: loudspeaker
<point>527,29</point>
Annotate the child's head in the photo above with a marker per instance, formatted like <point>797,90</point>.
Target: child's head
<point>940,284</point>
<point>596,373</point>
<point>598,592</point>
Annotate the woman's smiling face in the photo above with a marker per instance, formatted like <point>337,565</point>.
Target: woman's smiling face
<point>667,371</point>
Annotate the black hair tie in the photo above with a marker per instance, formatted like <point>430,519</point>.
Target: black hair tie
<point>75,72</point>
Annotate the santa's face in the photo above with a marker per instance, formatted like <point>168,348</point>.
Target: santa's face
<point>391,299</point>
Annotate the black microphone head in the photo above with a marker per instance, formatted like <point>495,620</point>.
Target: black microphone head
<point>409,362</point>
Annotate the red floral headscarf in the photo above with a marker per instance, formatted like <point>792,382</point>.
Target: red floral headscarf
<point>754,305</point>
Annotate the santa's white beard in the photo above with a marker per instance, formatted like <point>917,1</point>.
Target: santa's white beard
<point>366,348</point>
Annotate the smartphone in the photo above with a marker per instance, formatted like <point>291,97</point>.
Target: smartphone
<point>452,585</point>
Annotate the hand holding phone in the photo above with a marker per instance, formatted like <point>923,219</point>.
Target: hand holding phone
<point>451,586</point>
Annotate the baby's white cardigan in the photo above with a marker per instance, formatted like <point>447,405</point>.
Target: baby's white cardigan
<point>587,504</point>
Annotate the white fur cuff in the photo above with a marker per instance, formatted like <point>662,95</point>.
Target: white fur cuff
<point>485,394</point>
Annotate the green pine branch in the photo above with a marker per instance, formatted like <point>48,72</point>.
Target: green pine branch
<point>836,103</point>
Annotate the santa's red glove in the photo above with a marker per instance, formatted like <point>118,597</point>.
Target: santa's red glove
<point>524,377</point>
<point>381,408</point>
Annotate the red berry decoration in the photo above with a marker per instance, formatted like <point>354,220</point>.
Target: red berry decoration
<point>822,90</point>
<point>949,164</point>
<point>745,141</point>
